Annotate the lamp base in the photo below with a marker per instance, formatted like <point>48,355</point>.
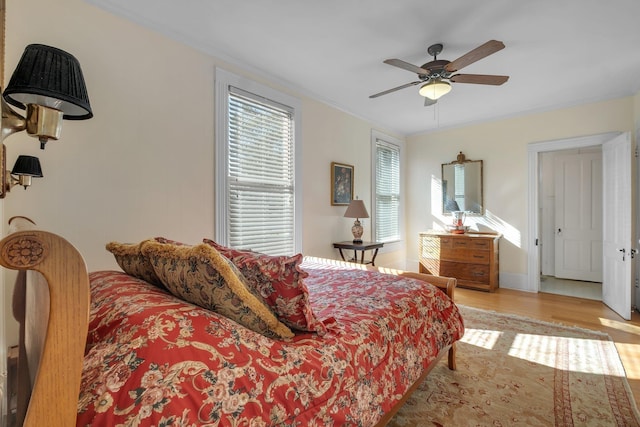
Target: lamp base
<point>357,230</point>
<point>357,241</point>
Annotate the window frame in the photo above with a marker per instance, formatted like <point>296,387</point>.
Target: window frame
<point>376,136</point>
<point>223,80</point>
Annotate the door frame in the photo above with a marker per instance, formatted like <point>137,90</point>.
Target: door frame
<point>533,151</point>
<point>636,240</point>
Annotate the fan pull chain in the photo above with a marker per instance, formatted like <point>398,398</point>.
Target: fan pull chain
<point>436,115</point>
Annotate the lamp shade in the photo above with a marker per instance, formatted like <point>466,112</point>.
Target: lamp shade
<point>435,89</point>
<point>27,166</point>
<point>49,77</point>
<point>356,209</point>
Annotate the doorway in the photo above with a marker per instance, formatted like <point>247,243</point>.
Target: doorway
<point>570,240</point>
<point>616,176</point>
<point>571,288</point>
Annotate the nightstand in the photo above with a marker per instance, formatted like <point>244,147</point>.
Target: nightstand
<point>362,247</point>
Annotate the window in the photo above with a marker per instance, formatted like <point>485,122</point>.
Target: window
<point>257,203</point>
<point>387,207</point>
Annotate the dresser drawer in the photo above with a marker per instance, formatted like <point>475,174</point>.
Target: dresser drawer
<point>431,266</point>
<point>465,255</point>
<point>477,272</point>
<point>429,249</point>
<point>468,272</point>
<point>471,243</point>
<point>435,247</point>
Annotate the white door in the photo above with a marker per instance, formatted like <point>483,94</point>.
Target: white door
<point>617,241</point>
<point>578,216</point>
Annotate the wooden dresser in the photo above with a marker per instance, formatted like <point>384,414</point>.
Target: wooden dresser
<point>472,258</point>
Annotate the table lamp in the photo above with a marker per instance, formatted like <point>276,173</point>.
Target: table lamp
<point>356,210</point>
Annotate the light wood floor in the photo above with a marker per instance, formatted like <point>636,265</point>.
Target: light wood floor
<point>570,311</point>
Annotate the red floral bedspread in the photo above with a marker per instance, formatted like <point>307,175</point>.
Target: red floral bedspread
<point>152,359</point>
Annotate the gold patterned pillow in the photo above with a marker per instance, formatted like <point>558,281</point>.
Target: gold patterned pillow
<point>201,276</point>
<point>280,281</point>
<point>133,262</point>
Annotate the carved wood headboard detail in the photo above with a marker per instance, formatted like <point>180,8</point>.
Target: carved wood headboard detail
<point>52,306</point>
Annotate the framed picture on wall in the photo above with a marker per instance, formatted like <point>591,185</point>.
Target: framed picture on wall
<point>341,184</point>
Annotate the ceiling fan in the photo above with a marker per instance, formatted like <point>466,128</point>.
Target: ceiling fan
<point>436,75</point>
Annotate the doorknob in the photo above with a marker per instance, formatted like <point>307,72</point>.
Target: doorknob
<point>624,251</point>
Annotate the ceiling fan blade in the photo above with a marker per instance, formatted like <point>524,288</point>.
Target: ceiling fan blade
<point>492,46</point>
<point>480,79</point>
<point>429,101</point>
<point>395,89</point>
<point>406,66</point>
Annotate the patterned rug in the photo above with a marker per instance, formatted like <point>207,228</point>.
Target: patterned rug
<point>514,371</point>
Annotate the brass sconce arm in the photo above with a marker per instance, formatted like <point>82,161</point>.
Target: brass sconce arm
<point>40,122</point>
<point>12,122</point>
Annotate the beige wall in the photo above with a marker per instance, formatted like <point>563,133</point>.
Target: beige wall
<point>502,145</point>
<point>144,165</point>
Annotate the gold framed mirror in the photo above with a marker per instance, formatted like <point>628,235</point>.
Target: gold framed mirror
<point>462,186</point>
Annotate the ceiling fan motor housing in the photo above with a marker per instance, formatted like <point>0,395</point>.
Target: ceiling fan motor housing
<point>436,70</point>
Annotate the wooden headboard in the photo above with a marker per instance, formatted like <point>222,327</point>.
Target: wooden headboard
<point>51,299</point>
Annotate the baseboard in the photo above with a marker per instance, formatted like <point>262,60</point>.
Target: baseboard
<point>515,281</point>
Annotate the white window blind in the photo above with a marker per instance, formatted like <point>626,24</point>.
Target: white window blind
<point>387,192</point>
<point>260,178</point>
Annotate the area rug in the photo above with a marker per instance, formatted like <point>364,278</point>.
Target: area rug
<point>514,371</point>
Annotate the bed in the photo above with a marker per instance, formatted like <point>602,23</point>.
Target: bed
<point>123,350</point>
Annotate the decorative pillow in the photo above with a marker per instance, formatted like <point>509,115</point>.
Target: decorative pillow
<point>133,262</point>
<point>169,241</point>
<point>201,276</point>
<point>280,281</point>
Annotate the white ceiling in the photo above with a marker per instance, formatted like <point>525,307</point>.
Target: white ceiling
<point>558,53</point>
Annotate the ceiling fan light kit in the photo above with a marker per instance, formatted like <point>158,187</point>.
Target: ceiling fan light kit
<point>435,89</point>
<point>435,77</point>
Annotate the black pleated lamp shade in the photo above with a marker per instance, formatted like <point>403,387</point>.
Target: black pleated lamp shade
<point>27,165</point>
<point>52,78</point>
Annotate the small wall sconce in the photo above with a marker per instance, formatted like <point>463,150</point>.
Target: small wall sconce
<point>48,84</point>
<point>25,168</point>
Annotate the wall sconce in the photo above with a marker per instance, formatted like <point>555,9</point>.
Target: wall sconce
<point>25,168</point>
<point>48,84</point>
